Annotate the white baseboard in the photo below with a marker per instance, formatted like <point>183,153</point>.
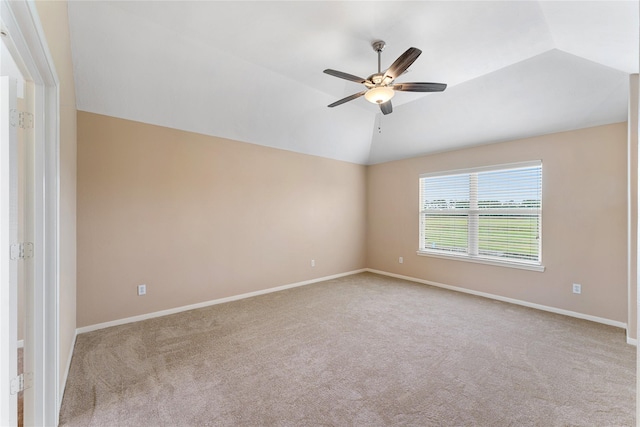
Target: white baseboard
<point>569,313</point>
<point>66,371</point>
<point>161,313</point>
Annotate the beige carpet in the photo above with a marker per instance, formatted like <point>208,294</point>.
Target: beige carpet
<point>363,350</point>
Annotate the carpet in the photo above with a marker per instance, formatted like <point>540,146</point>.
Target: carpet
<point>362,350</point>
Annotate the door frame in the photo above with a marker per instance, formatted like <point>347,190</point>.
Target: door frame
<point>8,235</point>
<point>20,19</point>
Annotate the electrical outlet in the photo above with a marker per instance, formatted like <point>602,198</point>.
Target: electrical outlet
<point>400,260</point>
<point>577,288</point>
<point>142,290</point>
<point>313,263</point>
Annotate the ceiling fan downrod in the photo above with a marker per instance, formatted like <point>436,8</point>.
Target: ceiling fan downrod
<point>378,46</point>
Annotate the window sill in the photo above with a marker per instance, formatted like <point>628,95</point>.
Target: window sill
<point>495,262</point>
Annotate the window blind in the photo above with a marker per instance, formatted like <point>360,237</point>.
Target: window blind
<point>492,213</point>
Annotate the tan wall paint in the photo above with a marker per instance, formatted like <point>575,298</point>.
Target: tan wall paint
<point>54,18</point>
<point>633,205</point>
<point>198,218</point>
<point>587,245</point>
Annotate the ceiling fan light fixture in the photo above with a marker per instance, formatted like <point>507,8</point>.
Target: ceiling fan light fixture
<point>379,94</point>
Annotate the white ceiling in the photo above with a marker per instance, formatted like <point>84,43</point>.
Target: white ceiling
<point>252,71</point>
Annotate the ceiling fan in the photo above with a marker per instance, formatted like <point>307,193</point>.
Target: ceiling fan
<point>380,86</point>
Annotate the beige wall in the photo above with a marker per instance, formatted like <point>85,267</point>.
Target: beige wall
<point>633,205</point>
<point>54,19</point>
<point>584,221</point>
<point>198,218</point>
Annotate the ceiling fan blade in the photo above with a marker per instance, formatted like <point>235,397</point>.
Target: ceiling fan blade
<point>420,87</point>
<point>386,107</point>
<point>403,62</point>
<point>345,76</point>
<point>347,99</point>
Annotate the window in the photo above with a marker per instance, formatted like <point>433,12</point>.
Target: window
<point>491,215</point>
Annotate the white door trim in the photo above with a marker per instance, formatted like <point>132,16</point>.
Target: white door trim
<point>20,19</point>
<point>8,237</point>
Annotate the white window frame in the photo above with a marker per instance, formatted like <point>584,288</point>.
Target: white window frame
<point>473,214</point>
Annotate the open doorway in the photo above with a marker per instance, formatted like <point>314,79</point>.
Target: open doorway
<point>17,216</point>
<point>33,252</point>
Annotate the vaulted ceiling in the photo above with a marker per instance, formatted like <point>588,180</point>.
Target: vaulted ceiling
<point>252,71</point>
